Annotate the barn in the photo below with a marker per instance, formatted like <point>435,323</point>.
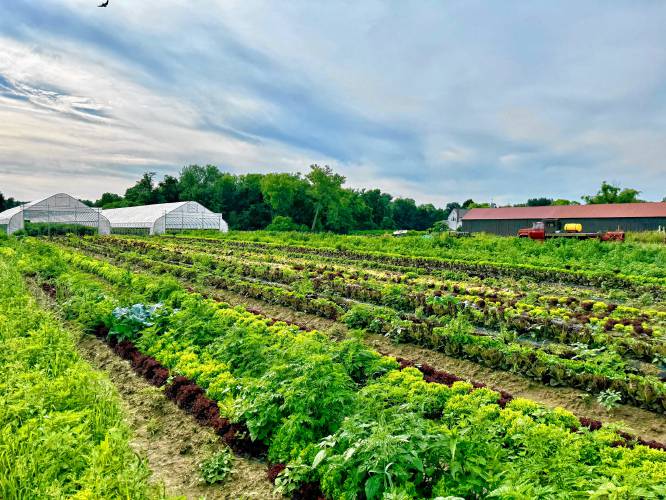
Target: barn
<point>603,217</point>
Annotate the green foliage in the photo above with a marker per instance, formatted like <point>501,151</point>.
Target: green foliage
<point>284,223</point>
<point>217,468</point>
<point>344,416</point>
<point>54,229</point>
<point>580,261</point>
<point>127,322</point>
<point>62,433</point>
<point>317,200</point>
<point>609,399</point>
<point>613,194</point>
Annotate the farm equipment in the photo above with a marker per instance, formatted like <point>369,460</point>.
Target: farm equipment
<point>552,228</point>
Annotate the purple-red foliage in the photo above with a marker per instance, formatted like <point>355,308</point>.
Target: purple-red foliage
<point>238,439</point>
<point>101,331</point>
<point>172,389</point>
<point>593,425</point>
<point>205,409</point>
<point>160,377</point>
<point>148,367</point>
<point>309,491</point>
<point>125,349</point>
<point>186,396</point>
<point>274,471</point>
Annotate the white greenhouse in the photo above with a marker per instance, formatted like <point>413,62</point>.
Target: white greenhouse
<point>59,208</point>
<point>162,217</point>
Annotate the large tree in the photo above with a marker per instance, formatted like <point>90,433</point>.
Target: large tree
<point>613,194</point>
<point>168,190</point>
<point>197,183</point>
<point>281,190</point>
<point>142,193</point>
<point>380,207</point>
<point>326,192</point>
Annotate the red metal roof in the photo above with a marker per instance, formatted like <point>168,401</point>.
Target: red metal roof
<point>606,211</point>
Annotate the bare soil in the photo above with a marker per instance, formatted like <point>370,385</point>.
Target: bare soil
<point>646,424</point>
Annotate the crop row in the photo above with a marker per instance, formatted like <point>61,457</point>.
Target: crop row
<point>295,268</point>
<point>487,308</point>
<point>564,319</point>
<point>62,433</point>
<point>593,372</point>
<point>479,268</point>
<point>629,258</point>
<point>343,416</point>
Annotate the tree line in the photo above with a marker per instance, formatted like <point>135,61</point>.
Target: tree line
<point>7,203</point>
<point>317,201</point>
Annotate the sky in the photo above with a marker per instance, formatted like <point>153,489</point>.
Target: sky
<point>435,100</point>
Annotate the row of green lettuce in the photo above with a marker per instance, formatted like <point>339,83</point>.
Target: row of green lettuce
<point>340,414</point>
<point>591,257</point>
<point>61,426</point>
<point>590,369</point>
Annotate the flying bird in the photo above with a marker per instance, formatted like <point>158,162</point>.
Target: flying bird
<point>104,4</point>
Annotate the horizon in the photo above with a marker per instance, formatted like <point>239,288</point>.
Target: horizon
<point>424,101</point>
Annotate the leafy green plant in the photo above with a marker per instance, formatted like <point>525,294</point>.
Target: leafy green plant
<point>128,321</point>
<point>217,468</point>
<point>609,399</point>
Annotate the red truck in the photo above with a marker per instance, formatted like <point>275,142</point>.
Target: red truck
<point>552,228</point>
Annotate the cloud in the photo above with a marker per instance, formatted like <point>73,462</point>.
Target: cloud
<point>435,101</point>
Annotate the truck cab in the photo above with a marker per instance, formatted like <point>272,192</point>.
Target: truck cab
<point>540,229</point>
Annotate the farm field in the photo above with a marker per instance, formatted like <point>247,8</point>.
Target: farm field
<point>365,367</point>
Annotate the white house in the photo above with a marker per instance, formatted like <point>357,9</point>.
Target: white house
<point>455,218</point>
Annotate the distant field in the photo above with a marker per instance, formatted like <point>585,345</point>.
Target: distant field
<point>634,257</point>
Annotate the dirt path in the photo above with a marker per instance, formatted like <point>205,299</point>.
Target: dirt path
<point>172,441</point>
<point>648,425</point>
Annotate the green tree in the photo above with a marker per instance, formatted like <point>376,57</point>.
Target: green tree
<point>281,191</point>
<point>197,183</point>
<point>380,207</point>
<point>405,213</point>
<point>252,212</point>
<point>108,199</point>
<point>560,202</point>
<point>7,203</point>
<point>168,190</point>
<point>612,194</point>
<point>426,216</point>
<point>326,192</point>
<point>539,202</point>
<point>283,223</point>
<point>142,193</point>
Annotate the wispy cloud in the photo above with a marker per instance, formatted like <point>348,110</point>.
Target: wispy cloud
<point>436,101</point>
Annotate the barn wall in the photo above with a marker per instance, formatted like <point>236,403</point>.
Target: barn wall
<point>510,227</point>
